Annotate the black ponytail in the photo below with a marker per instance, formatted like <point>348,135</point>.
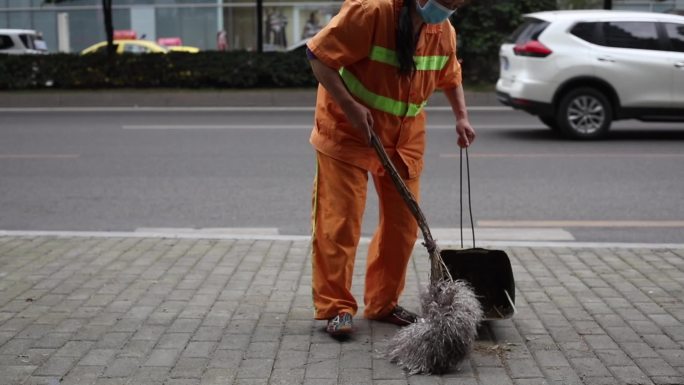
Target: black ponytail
<point>406,45</point>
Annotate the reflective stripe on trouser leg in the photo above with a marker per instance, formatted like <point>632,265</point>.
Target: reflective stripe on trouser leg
<point>340,198</point>
<point>391,247</point>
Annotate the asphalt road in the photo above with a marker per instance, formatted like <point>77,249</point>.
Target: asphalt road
<point>127,170</point>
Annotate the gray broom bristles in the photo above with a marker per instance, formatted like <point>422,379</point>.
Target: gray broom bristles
<point>445,334</point>
<point>452,312</point>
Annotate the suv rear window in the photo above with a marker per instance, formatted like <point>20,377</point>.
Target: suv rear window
<point>675,32</point>
<point>586,32</point>
<point>529,30</point>
<point>6,42</point>
<point>27,40</point>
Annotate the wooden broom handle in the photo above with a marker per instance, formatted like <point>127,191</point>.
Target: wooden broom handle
<point>429,242</point>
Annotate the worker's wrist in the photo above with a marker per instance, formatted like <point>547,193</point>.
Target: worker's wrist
<point>462,117</point>
<point>347,103</point>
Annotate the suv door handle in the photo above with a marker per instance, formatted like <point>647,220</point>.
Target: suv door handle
<point>607,59</point>
<point>679,64</point>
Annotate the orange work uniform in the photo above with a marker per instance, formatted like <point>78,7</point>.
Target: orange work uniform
<point>360,43</point>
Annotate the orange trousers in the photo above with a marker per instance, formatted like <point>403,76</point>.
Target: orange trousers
<point>339,199</point>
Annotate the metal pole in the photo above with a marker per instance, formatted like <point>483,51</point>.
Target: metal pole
<point>260,25</point>
<point>219,16</point>
<point>63,41</point>
<point>607,4</point>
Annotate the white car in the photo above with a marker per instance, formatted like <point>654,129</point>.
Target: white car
<point>21,42</point>
<point>580,70</point>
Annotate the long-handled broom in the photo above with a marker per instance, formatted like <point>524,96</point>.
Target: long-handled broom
<point>444,335</point>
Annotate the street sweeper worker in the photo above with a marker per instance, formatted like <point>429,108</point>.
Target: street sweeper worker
<point>378,62</point>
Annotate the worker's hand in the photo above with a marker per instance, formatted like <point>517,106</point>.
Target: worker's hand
<point>360,117</point>
<point>466,133</point>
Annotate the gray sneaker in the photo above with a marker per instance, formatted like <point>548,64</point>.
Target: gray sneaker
<point>340,325</point>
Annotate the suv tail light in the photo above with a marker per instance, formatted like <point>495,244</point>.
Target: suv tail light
<point>526,38</point>
<point>532,48</point>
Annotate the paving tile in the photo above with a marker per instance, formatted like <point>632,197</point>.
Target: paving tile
<point>56,366</point>
<point>226,359</point>
<point>16,374</point>
<point>630,375</point>
<point>82,375</point>
<point>199,349</point>
<point>122,367</point>
<point>656,367</point>
<point>149,376</point>
<point>74,348</point>
<point>218,377</point>
<point>162,357</point>
<point>590,367</point>
<point>189,368</point>
<point>323,368</point>
<point>98,357</point>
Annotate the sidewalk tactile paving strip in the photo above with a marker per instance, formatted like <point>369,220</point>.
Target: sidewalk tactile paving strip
<point>201,311</point>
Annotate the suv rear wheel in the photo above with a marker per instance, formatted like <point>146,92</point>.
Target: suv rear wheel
<point>584,113</point>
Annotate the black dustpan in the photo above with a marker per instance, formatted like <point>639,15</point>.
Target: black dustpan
<point>488,271</point>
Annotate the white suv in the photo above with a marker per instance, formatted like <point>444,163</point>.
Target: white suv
<point>21,42</point>
<point>580,70</point>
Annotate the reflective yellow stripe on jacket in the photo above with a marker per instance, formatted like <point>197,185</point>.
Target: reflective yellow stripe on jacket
<point>384,103</point>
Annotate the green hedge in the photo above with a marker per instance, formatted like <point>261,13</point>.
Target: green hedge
<point>175,70</point>
<point>482,27</point>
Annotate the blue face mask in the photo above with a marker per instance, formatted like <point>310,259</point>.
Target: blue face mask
<point>434,12</point>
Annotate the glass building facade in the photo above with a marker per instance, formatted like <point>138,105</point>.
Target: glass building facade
<point>195,22</point>
<point>198,22</point>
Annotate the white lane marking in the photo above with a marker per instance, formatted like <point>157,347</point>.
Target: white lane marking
<point>215,127</point>
<point>213,109</point>
<point>471,108</point>
<point>587,223</point>
<point>298,127</point>
<point>503,234</point>
<point>455,243</point>
<point>157,109</point>
<point>39,156</point>
<point>442,242</point>
<point>211,230</point>
<point>568,155</point>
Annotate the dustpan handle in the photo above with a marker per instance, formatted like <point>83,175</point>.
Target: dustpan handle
<point>411,202</point>
<point>470,205</point>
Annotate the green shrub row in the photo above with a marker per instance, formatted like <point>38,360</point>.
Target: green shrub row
<point>174,70</point>
<point>482,27</point>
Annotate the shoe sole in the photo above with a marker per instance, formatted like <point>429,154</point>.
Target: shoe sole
<point>341,331</point>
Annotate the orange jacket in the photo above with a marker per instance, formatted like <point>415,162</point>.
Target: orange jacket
<point>360,42</point>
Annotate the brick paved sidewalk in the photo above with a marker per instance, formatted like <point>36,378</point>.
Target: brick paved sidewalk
<point>78,310</point>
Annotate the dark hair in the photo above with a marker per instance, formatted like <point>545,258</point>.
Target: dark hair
<point>406,45</point>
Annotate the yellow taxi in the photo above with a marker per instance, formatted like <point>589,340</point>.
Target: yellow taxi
<point>182,48</point>
<point>175,44</point>
<point>127,46</point>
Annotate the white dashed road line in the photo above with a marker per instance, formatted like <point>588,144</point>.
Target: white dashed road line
<point>595,224</point>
